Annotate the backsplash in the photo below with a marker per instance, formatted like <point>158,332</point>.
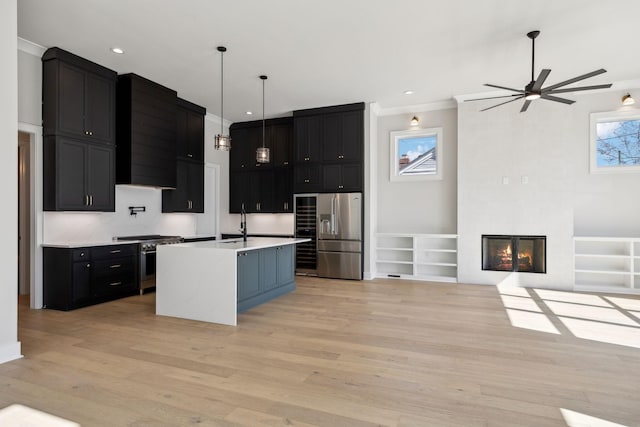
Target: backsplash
<point>100,226</point>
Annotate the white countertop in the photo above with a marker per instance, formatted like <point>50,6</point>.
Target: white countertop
<point>72,245</point>
<point>236,245</point>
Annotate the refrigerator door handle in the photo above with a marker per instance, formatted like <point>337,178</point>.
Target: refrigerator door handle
<point>333,215</point>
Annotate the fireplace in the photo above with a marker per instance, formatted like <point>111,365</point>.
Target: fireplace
<point>525,254</point>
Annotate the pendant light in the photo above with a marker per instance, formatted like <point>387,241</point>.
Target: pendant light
<point>222,141</point>
<point>262,153</point>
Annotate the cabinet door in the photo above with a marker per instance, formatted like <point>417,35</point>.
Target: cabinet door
<point>269,267</point>
<point>196,187</point>
<point>306,178</point>
<point>70,171</point>
<point>195,129</point>
<point>342,177</point>
<point>99,104</point>
<point>280,141</point>
<point>237,191</point>
<point>101,178</point>
<point>248,274</point>
<point>283,189</point>
<point>285,264</point>
<point>239,144</point>
<point>252,192</point>
<point>266,184</point>
<point>351,136</point>
<point>182,131</point>
<point>81,287</point>
<point>308,138</point>
<point>71,100</point>
<point>332,138</point>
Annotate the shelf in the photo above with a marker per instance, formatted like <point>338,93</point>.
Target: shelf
<point>430,257</point>
<point>604,272</point>
<point>441,264</point>
<point>603,256</point>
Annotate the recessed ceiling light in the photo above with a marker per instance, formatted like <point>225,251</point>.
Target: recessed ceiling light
<point>117,50</point>
<point>408,92</point>
<point>249,113</point>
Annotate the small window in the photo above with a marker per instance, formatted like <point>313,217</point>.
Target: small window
<point>416,154</point>
<point>615,142</point>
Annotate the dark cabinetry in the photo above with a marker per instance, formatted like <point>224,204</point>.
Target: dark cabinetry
<point>78,112</point>
<point>188,195</point>
<point>146,132</point>
<point>77,277</point>
<point>329,149</point>
<point>78,97</point>
<point>262,188</point>
<point>79,176</point>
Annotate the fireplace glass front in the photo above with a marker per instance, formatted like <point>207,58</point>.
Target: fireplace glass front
<point>514,253</point>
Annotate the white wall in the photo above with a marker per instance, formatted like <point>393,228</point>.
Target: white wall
<point>9,344</point>
<point>29,86</point>
<point>419,206</point>
<point>549,145</point>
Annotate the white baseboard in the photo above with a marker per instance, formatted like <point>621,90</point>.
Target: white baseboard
<point>367,276</point>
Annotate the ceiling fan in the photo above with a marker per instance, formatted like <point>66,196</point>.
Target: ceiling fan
<point>534,89</point>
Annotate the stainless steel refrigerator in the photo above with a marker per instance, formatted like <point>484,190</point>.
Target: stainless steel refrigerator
<point>340,235</point>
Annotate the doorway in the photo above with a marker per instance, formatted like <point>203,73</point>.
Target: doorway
<point>24,213</point>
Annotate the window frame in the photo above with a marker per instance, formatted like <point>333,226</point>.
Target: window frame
<point>396,136</point>
<point>606,117</point>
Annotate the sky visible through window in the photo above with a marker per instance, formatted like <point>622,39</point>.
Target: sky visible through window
<point>413,147</point>
<point>618,143</point>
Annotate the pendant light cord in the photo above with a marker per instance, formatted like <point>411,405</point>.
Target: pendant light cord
<point>221,93</point>
<point>263,132</point>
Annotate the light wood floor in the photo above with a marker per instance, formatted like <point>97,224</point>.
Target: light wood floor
<point>333,353</point>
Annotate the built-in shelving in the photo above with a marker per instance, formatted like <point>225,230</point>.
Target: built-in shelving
<point>607,264</point>
<point>417,256</point>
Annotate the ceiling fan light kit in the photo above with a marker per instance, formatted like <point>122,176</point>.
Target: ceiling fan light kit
<point>534,90</point>
<point>628,100</point>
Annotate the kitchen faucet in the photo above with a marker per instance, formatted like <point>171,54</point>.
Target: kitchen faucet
<point>243,223</point>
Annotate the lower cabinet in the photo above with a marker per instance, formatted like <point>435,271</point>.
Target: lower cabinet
<point>264,274</point>
<point>77,277</point>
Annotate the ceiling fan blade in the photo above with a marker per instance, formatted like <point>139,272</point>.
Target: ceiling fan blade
<point>556,99</point>
<point>493,97</point>
<point>525,105</point>
<point>575,89</point>
<point>576,79</point>
<point>502,87</point>
<point>540,80</point>
<point>502,103</point>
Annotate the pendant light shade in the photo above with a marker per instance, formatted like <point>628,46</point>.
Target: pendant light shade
<point>222,141</point>
<point>262,153</point>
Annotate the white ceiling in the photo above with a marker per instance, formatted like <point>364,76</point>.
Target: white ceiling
<point>328,52</point>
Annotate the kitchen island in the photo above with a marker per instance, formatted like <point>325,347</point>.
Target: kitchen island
<point>213,281</point>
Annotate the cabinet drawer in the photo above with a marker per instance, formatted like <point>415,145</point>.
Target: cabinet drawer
<point>114,267</point>
<point>116,284</point>
<point>81,254</point>
<point>113,251</point>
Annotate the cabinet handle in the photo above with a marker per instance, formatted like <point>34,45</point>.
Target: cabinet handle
<point>341,157</point>
<point>81,254</point>
<point>88,265</point>
<point>241,166</point>
<point>189,155</point>
<point>115,266</point>
<point>340,186</point>
<point>115,283</point>
<point>90,199</point>
<point>285,163</point>
<point>306,159</point>
<point>286,206</point>
<point>115,251</point>
<point>306,180</point>
<point>257,165</point>
<point>86,132</point>
<point>86,200</point>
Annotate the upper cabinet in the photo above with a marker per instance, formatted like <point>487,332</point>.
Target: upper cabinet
<point>188,195</point>
<point>190,130</point>
<point>78,118</point>
<point>146,132</point>
<point>329,149</point>
<point>261,187</point>
<point>78,97</point>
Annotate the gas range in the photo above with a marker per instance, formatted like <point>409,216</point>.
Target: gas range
<point>148,242</point>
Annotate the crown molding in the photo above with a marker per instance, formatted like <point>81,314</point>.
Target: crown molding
<point>30,47</point>
<point>416,108</point>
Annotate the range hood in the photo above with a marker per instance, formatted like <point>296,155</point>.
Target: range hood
<point>145,133</point>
